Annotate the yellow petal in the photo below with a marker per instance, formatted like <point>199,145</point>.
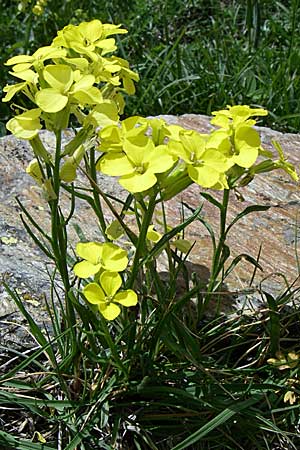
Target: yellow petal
<point>159,160</point>
<point>26,75</point>
<point>85,82</point>
<point>114,230</point>
<point>91,96</point>
<point>115,164</point>
<point>59,77</point>
<point>91,251</point>
<point>94,294</point>
<point>246,158</point>
<point>109,312</point>
<point>114,258</point>
<point>19,59</point>
<point>136,182</point>
<point>92,30</point>
<point>85,269</point>
<point>204,176</point>
<point>153,235</point>
<point>25,125</point>
<point>126,298</point>
<point>11,90</point>
<point>110,282</point>
<point>50,100</point>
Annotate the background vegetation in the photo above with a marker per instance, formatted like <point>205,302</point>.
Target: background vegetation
<point>193,56</point>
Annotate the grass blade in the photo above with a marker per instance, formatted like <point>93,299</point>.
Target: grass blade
<point>221,418</point>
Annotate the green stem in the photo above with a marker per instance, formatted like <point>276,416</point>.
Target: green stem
<point>217,262</point>
<point>113,349</point>
<point>141,248</point>
<point>59,233</point>
<point>97,203</point>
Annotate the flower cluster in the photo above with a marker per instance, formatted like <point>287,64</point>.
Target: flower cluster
<point>104,261</point>
<point>134,156</point>
<point>148,152</point>
<point>39,7</point>
<point>75,74</point>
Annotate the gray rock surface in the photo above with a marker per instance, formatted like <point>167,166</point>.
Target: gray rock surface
<point>24,267</point>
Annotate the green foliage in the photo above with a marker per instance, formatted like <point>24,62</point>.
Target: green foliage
<point>192,56</point>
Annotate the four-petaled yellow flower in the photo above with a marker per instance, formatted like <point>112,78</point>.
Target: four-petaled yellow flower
<point>240,142</point>
<point>98,256</point>
<point>205,165</point>
<point>134,158</point>
<point>66,85</point>
<point>107,296</point>
<point>25,125</point>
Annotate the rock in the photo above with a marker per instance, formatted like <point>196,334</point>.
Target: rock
<point>24,267</point>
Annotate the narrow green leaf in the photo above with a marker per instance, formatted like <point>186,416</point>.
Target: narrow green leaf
<point>274,324</point>
<point>32,221</point>
<point>212,200</point>
<point>237,259</point>
<point>221,418</point>
<point>245,212</point>
<point>24,400</point>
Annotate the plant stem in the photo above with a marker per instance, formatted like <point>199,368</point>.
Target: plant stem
<point>59,233</point>
<point>97,203</point>
<point>218,257</point>
<point>141,247</point>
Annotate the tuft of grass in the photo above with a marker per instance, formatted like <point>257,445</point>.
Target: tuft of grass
<point>204,387</point>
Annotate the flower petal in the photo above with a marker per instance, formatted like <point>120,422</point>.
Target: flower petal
<point>85,269</point>
<point>204,176</point>
<point>136,182</point>
<point>110,282</point>
<point>91,251</point>
<point>85,82</point>
<point>50,100</point>
<point>25,125</point>
<point>159,160</point>
<point>115,164</point>
<point>11,90</point>
<point>94,294</point>
<point>246,158</point>
<point>59,77</point>
<point>126,298</point>
<point>114,258</point>
<point>90,96</point>
<point>109,312</point>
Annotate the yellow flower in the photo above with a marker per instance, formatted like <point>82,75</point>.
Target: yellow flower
<point>237,139</point>
<point>24,62</point>
<point>33,169</point>
<point>107,295</point>
<point>235,115</point>
<point>25,125</point>
<point>88,38</point>
<point>283,362</point>
<point>67,171</point>
<point>290,397</point>
<point>64,85</point>
<point>205,166</point>
<point>137,165</point>
<point>98,256</point>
